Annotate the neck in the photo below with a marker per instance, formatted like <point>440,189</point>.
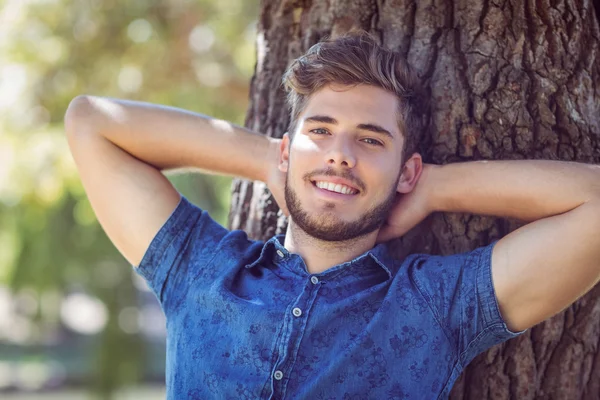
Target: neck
<point>320,255</point>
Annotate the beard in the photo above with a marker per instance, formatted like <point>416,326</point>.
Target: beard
<point>332,229</point>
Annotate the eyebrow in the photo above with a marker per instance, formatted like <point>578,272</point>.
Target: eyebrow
<point>367,127</point>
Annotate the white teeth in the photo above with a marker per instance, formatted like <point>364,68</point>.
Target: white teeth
<point>335,188</point>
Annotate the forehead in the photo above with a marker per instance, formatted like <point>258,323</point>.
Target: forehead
<point>355,105</point>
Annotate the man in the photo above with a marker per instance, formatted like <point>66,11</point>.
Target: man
<point>324,312</point>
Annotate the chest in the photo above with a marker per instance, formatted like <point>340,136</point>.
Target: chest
<point>310,338</point>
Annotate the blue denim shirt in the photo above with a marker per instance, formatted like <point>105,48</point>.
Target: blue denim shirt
<point>245,320</point>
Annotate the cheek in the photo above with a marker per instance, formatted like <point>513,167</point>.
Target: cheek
<point>302,147</point>
<point>383,176</point>
<point>295,172</point>
<point>303,160</point>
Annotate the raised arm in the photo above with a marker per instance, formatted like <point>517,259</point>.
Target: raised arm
<point>544,266</point>
<point>120,148</point>
<point>541,268</point>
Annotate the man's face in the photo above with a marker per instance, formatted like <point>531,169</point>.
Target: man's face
<point>340,136</point>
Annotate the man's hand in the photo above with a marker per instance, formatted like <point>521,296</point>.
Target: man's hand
<point>409,209</point>
<point>276,178</point>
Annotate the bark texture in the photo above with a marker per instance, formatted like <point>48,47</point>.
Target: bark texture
<point>510,79</point>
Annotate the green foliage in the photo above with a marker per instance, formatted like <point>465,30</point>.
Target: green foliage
<point>198,55</point>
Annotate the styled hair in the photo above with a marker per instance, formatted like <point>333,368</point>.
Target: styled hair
<point>352,59</point>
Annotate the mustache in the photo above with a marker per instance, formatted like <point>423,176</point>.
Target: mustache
<point>332,173</point>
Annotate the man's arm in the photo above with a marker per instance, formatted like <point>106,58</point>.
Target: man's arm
<point>541,268</point>
<point>120,148</point>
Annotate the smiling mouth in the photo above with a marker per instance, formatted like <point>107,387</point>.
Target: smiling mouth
<point>335,188</point>
<point>333,192</point>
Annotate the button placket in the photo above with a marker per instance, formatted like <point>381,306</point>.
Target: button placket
<point>297,326</point>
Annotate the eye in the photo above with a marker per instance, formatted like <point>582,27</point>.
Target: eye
<point>374,142</point>
<point>319,129</point>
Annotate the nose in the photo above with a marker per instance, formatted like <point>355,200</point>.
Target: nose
<point>341,154</point>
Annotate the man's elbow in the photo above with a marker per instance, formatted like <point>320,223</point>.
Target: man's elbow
<point>78,115</point>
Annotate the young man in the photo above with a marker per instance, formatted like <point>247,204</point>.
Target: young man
<point>324,312</point>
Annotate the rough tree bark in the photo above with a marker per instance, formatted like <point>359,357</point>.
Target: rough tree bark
<point>512,79</point>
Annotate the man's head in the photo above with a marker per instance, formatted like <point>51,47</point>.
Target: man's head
<point>357,113</point>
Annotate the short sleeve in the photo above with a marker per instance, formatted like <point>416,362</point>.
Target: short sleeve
<point>180,251</point>
<point>460,291</point>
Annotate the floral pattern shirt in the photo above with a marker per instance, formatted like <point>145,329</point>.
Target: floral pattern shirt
<point>245,320</point>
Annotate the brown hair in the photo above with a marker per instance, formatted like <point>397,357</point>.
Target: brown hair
<point>352,59</point>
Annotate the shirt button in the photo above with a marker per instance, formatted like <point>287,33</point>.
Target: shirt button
<point>280,253</point>
<point>297,312</point>
<point>278,375</point>
<point>314,279</point>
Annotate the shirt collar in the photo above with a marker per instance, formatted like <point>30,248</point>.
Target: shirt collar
<point>274,250</point>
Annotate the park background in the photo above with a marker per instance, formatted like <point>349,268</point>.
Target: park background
<point>75,320</point>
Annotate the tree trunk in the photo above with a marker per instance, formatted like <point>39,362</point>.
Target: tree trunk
<point>510,80</point>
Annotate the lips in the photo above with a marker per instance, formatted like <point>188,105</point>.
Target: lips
<point>335,181</point>
<point>330,195</point>
<point>336,187</point>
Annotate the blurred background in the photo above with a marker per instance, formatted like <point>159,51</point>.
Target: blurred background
<point>75,320</point>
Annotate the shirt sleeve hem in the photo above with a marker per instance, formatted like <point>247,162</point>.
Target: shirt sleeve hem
<point>487,294</point>
<point>157,250</point>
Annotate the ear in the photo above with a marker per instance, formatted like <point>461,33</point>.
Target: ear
<point>410,174</point>
<point>284,153</point>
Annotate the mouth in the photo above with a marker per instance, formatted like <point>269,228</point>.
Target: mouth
<point>330,194</point>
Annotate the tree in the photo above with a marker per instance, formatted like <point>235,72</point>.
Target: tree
<point>509,80</point>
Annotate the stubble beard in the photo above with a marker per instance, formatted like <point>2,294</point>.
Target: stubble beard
<point>332,229</point>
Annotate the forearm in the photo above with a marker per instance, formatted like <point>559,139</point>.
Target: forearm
<point>523,189</point>
<point>168,138</point>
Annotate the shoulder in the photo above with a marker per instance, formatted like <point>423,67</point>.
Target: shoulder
<point>430,265</point>
<point>446,278</point>
<point>191,238</point>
